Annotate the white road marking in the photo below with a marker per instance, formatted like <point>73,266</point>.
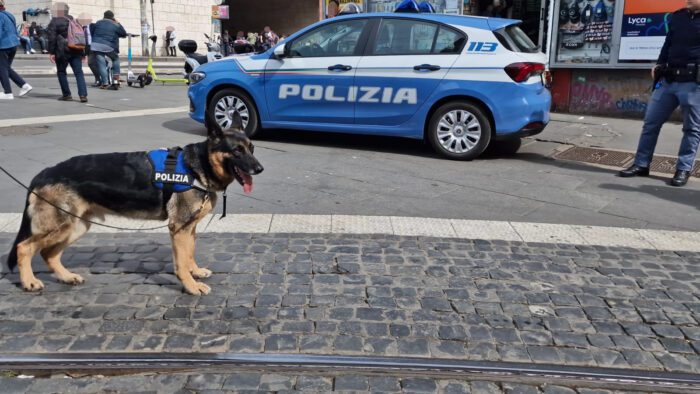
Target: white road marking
<point>94,116</point>
<point>426,227</point>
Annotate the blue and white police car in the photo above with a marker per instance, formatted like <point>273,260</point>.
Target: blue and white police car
<point>459,82</point>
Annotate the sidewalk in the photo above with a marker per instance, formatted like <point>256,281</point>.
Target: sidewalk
<point>608,133</point>
<point>34,66</point>
<point>367,295</point>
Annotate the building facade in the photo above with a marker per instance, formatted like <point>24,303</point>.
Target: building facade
<point>601,52</point>
<point>190,18</point>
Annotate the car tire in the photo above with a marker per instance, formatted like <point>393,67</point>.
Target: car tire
<point>229,98</point>
<point>459,130</point>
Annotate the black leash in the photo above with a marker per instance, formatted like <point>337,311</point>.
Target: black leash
<point>74,215</point>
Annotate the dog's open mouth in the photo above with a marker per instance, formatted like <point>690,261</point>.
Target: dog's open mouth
<point>244,179</point>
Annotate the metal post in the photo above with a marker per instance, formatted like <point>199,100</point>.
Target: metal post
<point>144,28</point>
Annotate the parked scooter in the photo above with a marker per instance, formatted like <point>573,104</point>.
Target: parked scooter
<point>194,59</point>
<point>150,75</point>
<point>131,78</point>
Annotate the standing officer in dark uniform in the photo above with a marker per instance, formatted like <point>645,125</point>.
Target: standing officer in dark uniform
<point>676,78</point>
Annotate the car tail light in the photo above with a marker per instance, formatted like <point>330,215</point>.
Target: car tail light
<point>521,72</point>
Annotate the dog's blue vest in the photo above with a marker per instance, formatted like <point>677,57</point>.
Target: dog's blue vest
<point>169,171</point>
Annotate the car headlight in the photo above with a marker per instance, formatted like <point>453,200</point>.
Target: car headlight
<point>197,76</point>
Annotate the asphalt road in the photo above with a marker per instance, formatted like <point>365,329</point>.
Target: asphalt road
<point>312,173</point>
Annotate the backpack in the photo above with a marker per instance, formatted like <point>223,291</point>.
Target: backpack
<point>75,39</point>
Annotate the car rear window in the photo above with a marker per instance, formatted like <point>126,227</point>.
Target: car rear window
<point>515,39</point>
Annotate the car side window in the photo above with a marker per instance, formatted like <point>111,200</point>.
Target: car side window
<point>448,41</point>
<point>404,37</point>
<point>333,39</point>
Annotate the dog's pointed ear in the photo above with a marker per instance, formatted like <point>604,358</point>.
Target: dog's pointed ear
<point>214,130</point>
<point>237,122</point>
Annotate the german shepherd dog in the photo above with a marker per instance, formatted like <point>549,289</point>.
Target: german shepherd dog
<point>121,184</point>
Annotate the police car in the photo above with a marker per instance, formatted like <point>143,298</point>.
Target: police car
<point>459,82</point>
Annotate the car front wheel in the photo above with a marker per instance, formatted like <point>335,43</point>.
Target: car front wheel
<point>226,102</point>
<point>459,131</point>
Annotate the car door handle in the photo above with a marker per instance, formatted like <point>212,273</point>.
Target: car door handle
<point>426,67</point>
<point>340,67</point>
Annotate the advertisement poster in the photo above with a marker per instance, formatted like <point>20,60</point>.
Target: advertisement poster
<point>219,12</point>
<point>644,28</point>
<point>223,12</point>
<point>585,30</point>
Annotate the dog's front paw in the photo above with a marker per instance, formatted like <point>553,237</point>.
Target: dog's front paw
<point>32,284</point>
<point>201,273</point>
<point>72,279</point>
<point>198,288</point>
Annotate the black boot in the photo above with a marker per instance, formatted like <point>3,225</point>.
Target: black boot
<point>680,179</point>
<point>635,170</point>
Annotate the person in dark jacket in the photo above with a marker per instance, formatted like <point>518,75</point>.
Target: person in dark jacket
<point>37,33</point>
<point>105,43</point>
<point>676,77</point>
<point>63,56</point>
<point>9,40</point>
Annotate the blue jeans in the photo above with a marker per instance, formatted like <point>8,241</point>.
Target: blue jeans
<point>664,101</point>
<point>26,43</point>
<point>101,58</point>
<point>6,71</point>
<point>76,63</point>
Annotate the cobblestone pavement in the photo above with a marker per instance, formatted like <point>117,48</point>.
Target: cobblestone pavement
<point>364,295</point>
<point>279,383</point>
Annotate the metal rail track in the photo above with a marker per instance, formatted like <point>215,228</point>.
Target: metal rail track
<point>123,363</point>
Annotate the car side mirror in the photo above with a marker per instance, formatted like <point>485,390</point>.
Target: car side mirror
<point>280,51</point>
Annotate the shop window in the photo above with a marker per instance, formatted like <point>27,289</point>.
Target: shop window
<point>585,30</point>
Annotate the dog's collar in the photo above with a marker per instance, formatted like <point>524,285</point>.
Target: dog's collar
<point>197,185</point>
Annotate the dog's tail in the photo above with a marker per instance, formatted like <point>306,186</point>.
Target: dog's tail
<point>25,231</point>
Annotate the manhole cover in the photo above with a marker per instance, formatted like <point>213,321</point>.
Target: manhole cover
<point>597,156</point>
<point>23,130</point>
<point>612,158</point>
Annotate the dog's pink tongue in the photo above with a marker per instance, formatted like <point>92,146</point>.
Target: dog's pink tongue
<point>247,184</point>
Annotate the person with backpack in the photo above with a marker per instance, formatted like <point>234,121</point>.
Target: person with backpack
<point>67,47</point>
<point>9,41</point>
<point>105,43</point>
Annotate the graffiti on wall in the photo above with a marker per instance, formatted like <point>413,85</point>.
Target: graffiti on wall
<point>610,92</point>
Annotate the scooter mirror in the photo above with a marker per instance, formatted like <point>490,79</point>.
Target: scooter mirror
<point>280,51</point>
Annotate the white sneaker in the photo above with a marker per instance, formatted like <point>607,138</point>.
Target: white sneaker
<point>32,51</point>
<point>6,96</point>
<point>25,89</point>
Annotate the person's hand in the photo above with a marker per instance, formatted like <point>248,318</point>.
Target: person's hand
<point>52,58</point>
<point>654,71</point>
<point>83,59</point>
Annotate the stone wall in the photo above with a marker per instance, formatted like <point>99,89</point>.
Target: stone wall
<point>191,18</point>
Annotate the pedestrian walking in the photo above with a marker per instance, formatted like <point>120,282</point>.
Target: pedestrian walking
<point>86,21</point>
<point>105,44</point>
<point>63,55</point>
<point>9,40</point>
<point>170,38</point>
<point>676,76</point>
